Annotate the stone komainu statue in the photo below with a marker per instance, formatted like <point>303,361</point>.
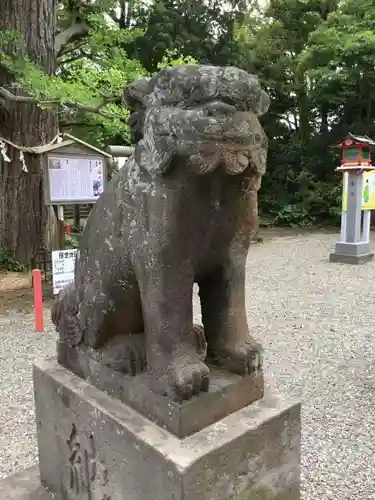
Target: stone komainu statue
<point>182,211</point>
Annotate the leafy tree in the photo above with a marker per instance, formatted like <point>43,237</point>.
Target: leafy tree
<point>340,64</point>
<point>21,206</point>
<point>272,43</point>
<point>44,81</point>
<point>196,28</point>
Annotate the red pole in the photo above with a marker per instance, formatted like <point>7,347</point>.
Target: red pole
<point>38,300</point>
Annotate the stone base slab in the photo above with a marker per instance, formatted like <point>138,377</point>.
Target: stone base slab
<point>346,248</point>
<point>227,392</point>
<point>351,253</point>
<point>24,486</point>
<point>93,446</point>
<point>350,259</point>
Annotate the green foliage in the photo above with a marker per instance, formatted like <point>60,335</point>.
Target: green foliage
<point>193,28</point>
<point>7,263</point>
<point>315,60</point>
<point>8,38</point>
<point>88,83</point>
<point>71,241</point>
<point>101,75</point>
<point>303,201</point>
<point>90,78</point>
<point>339,63</point>
<point>172,58</point>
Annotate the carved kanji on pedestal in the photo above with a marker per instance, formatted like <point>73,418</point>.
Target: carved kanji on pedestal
<point>87,476</point>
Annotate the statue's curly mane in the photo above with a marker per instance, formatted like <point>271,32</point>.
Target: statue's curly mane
<point>207,114</point>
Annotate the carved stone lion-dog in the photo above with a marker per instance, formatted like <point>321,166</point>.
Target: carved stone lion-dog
<point>182,211</point>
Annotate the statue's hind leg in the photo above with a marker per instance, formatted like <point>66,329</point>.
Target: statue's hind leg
<point>127,353</point>
<point>99,322</point>
<point>118,341</point>
<point>124,353</point>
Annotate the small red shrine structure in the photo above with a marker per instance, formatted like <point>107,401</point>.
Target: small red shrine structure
<point>355,153</point>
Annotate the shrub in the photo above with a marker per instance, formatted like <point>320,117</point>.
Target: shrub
<point>7,263</point>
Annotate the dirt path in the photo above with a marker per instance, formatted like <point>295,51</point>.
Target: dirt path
<point>16,294</point>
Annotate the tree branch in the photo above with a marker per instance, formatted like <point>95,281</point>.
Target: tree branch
<point>68,125</point>
<point>8,96</point>
<point>76,30</point>
<point>79,27</point>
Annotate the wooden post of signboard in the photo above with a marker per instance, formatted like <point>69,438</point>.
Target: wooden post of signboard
<point>77,218</point>
<point>60,217</point>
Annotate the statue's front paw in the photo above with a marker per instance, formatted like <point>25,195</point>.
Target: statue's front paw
<point>244,359</point>
<point>181,378</point>
<point>190,377</point>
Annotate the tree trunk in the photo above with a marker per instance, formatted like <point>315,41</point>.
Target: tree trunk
<point>22,210</point>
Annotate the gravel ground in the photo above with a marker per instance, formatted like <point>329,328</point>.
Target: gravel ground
<point>316,322</point>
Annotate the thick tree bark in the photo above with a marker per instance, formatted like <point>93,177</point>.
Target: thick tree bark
<point>22,210</point>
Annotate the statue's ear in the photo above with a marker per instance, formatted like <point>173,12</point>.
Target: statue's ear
<point>133,97</point>
<point>135,93</point>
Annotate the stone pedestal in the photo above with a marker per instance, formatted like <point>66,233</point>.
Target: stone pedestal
<point>351,253</point>
<point>95,447</point>
<point>227,392</point>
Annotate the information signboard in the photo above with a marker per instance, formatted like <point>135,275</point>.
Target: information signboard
<point>73,179</point>
<point>63,264</point>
